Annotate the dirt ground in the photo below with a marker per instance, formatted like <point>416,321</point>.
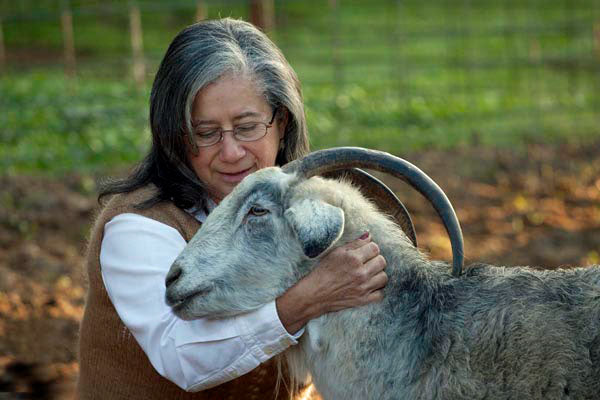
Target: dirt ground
<point>538,207</point>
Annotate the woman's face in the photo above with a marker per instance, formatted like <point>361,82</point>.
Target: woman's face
<point>230,101</point>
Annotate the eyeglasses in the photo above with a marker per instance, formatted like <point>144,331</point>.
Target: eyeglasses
<point>247,132</point>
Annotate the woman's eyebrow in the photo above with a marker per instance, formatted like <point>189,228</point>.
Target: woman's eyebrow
<point>204,122</point>
<point>247,114</point>
<point>243,115</point>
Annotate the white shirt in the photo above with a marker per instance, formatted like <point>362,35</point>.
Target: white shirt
<point>135,256</point>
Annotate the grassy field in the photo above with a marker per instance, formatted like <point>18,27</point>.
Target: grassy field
<point>392,75</point>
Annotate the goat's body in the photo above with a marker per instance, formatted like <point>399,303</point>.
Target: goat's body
<point>492,333</point>
<point>476,337</point>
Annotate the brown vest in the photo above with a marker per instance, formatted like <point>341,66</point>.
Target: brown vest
<point>112,364</point>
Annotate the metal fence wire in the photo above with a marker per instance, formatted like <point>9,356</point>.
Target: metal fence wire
<point>469,70</point>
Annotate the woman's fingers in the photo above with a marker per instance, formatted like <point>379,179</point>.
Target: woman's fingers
<point>375,265</point>
<point>377,282</point>
<point>367,253</point>
<point>351,275</point>
<point>374,296</point>
<point>361,250</point>
<point>358,243</point>
<point>352,255</point>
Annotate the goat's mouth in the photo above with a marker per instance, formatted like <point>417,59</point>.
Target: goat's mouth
<point>178,302</point>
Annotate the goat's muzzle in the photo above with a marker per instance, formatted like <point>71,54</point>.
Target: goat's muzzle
<point>178,295</point>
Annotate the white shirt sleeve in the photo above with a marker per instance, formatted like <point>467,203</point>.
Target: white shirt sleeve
<point>135,256</point>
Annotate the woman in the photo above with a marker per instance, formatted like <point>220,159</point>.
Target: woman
<point>224,104</point>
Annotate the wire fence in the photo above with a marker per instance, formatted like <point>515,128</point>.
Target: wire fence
<point>441,71</point>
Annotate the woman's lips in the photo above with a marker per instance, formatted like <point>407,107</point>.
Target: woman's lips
<point>235,177</point>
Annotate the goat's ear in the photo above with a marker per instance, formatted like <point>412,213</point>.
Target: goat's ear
<point>318,225</point>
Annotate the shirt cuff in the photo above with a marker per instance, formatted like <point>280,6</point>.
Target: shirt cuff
<point>264,336</point>
<point>264,333</point>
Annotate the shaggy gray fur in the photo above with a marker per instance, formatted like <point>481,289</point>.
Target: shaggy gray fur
<point>493,333</point>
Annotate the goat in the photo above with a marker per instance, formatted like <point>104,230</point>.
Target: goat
<point>484,333</point>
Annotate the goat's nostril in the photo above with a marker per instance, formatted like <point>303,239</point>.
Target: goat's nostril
<point>173,275</point>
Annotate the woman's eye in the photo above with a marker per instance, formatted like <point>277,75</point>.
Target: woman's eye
<point>246,128</point>
<point>208,134</point>
<point>258,211</point>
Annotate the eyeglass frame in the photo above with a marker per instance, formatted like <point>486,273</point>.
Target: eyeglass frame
<point>221,131</point>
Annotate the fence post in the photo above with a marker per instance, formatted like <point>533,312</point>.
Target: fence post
<point>201,12</point>
<point>137,46</point>
<point>262,14</point>
<point>2,48</point>
<point>398,69</point>
<point>66,23</point>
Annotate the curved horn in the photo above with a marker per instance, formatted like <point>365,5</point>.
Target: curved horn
<point>324,161</point>
<point>380,194</point>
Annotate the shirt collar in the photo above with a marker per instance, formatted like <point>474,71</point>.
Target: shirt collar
<point>200,213</point>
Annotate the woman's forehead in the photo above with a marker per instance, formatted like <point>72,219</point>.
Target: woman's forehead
<point>229,97</point>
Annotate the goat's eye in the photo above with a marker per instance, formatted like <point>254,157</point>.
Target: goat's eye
<point>258,211</point>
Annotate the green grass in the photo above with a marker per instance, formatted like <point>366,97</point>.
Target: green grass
<point>392,75</point>
<point>52,124</point>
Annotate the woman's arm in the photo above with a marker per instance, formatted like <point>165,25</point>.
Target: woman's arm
<point>135,257</point>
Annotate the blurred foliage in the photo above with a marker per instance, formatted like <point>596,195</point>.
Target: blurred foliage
<point>53,124</point>
<point>387,74</point>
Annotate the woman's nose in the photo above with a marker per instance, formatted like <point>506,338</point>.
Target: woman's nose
<point>231,149</point>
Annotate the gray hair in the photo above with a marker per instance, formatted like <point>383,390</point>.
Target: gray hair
<point>200,55</point>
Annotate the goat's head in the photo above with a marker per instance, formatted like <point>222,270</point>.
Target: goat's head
<point>251,248</point>
<point>263,237</point>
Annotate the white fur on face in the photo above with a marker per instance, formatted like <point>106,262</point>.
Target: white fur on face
<point>225,264</point>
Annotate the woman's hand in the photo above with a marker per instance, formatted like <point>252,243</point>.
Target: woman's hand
<point>351,275</point>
